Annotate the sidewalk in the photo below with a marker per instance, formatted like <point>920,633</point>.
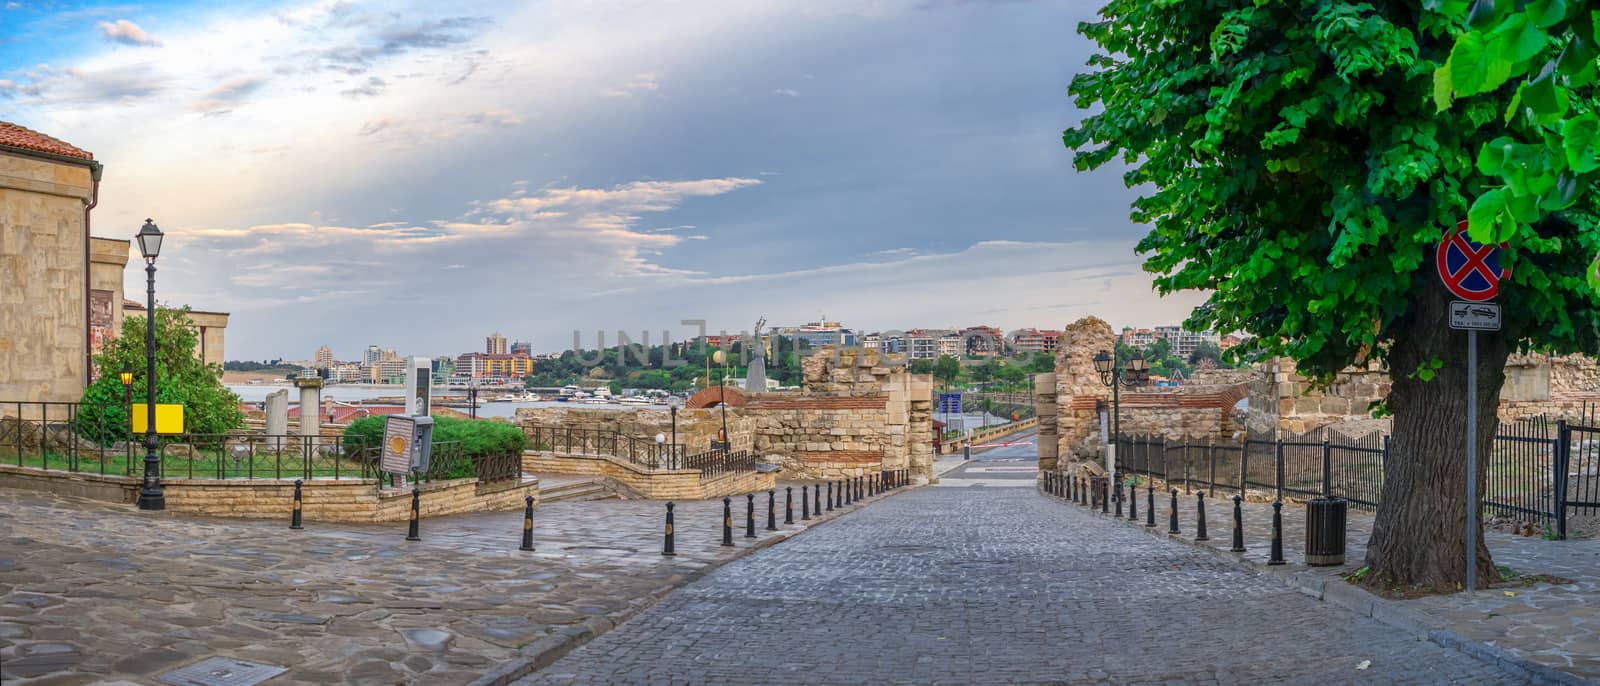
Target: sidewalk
<point>92,592</point>
<point>1551,632</point>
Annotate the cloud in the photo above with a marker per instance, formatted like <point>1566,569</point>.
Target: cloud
<point>373,86</point>
<point>85,86</point>
<point>228,94</point>
<point>377,125</point>
<point>788,92</point>
<point>127,33</point>
<point>645,82</point>
<point>385,36</point>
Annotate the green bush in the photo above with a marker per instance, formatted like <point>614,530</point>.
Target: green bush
<point>477,437</point>
<point>181,377</point>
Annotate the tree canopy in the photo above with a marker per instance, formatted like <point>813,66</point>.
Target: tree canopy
<point>1301,170</point>
<point>182,377</point>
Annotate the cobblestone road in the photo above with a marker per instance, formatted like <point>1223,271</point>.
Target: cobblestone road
<point>975,582</point>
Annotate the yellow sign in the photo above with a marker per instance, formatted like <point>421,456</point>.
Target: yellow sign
<point>169,418</point>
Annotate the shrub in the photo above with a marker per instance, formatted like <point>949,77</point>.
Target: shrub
<point>477,437</point>
<point>181,377</point>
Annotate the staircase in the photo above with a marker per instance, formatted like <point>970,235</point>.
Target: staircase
<point>588,489</point>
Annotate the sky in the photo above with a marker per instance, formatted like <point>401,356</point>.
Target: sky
<point>417,175</point>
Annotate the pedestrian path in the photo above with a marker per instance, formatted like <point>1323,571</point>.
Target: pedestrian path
<point>983,585</point>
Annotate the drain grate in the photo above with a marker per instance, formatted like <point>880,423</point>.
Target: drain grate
<point>221,671</point>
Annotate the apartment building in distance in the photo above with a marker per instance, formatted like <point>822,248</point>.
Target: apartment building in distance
<point>493,366</point>
<point>324,358</point>
<point>495,344</point>
<point>1031,341</point>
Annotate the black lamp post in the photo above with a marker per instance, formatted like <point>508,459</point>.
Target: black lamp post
<point>472,397</point>
<point>1116,375</point>
<point>672,450</point>
<point>722,400</point>
<point>151,496</point>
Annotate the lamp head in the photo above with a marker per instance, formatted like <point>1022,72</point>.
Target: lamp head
<point>149,238</point>
<point>1102,362</point>
<point>126,375</point>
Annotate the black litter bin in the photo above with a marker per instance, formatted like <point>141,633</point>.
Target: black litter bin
<point>1325,521</point>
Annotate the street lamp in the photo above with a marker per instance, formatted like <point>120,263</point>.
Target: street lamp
<point>126,377</point>
<point>673,403</point>
<point>1117,375</point>
<point>472,397</point>
<point>722,399</point>
<point>151,496</point>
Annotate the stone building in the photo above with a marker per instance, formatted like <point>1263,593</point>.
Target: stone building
<point>61,297</point>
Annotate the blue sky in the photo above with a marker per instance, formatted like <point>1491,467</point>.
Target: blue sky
<point>417,175</point>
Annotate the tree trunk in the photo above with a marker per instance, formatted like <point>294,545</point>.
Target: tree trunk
<point>1419,538</point>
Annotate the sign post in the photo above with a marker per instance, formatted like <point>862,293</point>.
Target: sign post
<point>1472,271</point>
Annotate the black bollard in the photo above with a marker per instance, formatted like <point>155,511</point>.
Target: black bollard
<point>772,510</point>
<point>788,504</point>
<point>830,496</point>
<point>816,499</point>
<point>1172,522</point>
<point>844,492</point>
<point>1277,534</point>
<point>1150,504</point>
<point>527,524</point>
<point>667,549</point>
<point>1238,526</point>
<point>412,534</point>
<point>1133,500</point>
<point>1200,516</point>
<point>727,521</point>
<point>861,487</point>
<point>294,517</point>
<point>805,503</point>
<point>749,515</point>
<point>1116,493</point>
<point>1105,496</point>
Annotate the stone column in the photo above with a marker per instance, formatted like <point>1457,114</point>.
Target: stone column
<point>278,413</point>
<point>1044,406</point>
<point>310,408</point>
<point>920,429</point>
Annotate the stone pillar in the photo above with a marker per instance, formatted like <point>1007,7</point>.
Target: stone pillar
<point>1078,387</point>
<point>278,413</point>
<point>920,429</point>
<point>310,407</point>
<point>1044,406</point>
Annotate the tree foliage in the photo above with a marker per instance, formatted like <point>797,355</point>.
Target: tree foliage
<point>182,377</point>
<point>1301,170</point>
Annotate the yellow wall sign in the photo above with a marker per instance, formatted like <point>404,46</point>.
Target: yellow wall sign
<point>169,418</point>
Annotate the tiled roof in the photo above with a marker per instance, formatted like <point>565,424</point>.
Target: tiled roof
<point>22,137</point>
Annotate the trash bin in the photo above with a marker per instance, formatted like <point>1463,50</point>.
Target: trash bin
<point>1325,520</point>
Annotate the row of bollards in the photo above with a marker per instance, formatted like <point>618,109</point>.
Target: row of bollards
<point>1092,493</point>
<point>841,492</point>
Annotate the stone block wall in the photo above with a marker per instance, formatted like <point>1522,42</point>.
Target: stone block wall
<point>1078,387</point>
<point>1045,408</point>
<point>43,279</point>
<point>678,484</point>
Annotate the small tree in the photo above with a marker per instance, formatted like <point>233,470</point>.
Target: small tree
<point>947,370</point>
<point>182,378</point>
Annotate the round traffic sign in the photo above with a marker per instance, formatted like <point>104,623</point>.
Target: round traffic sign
<point>1471,270</point>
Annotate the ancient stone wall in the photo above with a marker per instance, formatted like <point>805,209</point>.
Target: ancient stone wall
<point>43,260</point>
<point>1045,408</point>
<point>1078,387</point>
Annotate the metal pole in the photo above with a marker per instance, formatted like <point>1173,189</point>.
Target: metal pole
<point>1472,460</point>
<point>672,459</point>
<point>151,496</point>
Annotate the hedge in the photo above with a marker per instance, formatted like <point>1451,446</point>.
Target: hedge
<point>478,437</point>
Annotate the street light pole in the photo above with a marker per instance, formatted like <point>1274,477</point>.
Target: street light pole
<point>151,496</point>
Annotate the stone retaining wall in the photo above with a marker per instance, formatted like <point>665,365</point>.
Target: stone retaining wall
<point>324,500</point>
<point>676,484</point>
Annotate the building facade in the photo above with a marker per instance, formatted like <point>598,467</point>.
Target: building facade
<point>487,366</point>
<point>324,358</point>
<point>495,344</point>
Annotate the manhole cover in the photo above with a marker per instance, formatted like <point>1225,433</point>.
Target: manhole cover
<point>221,671</point>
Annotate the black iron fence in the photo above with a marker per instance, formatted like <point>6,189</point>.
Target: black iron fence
<point>642,452</point>
<point>714,462</point>
<point>1538,470</point>
<point>76,437</point>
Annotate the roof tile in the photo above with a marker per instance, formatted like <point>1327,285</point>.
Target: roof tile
<point>16,136</point>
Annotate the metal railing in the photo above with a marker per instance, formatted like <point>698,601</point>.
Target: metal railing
<point>1528,475</point>
<point>714,462</point>
<point>642,452</point>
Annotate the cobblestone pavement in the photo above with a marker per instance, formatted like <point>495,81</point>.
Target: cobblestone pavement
<point>1554,625</point>
<point>91,591</point>
<point>973,582</point>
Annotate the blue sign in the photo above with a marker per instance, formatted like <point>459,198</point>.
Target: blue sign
<point>950,403</point>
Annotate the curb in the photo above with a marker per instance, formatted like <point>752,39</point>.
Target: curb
<point>1385,611</point>
<point>546,651</point>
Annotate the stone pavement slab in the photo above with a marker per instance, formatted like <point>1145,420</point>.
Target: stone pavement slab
<point>984,585</point>
<point>93,592</point>
<point>1551,626</point>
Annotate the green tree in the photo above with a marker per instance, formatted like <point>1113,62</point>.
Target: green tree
<point>1301,171</point>
<point>921,366</point>
<point>1042,362</point>
<point>1206,351</point>
<point>182,378</point>
<point>947,370</point>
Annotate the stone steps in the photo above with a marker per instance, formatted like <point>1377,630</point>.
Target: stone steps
<point>581,490</point>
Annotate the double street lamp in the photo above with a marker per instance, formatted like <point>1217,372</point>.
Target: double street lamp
<point>151,496</point>
<point>1115,374</point>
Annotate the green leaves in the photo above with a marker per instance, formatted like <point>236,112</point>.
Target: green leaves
<point>1475,67</point>
<point>1581,143</point>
